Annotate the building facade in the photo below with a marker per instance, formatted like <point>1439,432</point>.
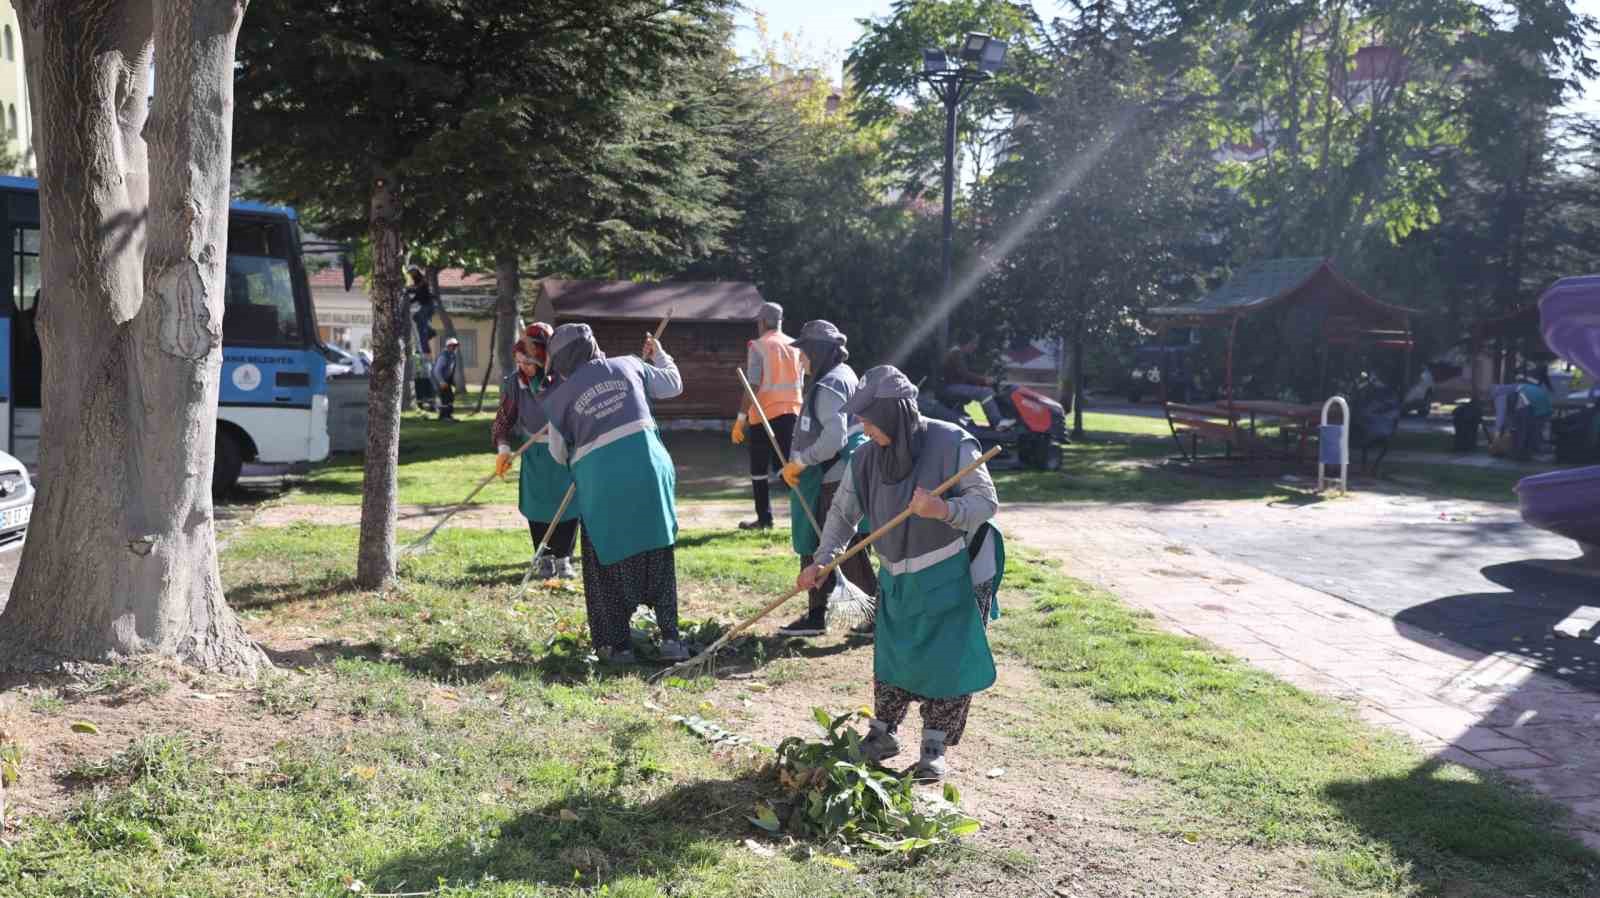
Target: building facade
<point>16,119</point>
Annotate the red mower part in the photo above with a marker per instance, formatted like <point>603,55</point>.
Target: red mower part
<point>1033,408</point>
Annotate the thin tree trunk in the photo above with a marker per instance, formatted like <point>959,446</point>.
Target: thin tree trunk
<point>375,562</point>
<point>122,556</point>
<point>1077,384</point>
<point>432,273</point>
<point>488,363</point>
<point>508,293</point>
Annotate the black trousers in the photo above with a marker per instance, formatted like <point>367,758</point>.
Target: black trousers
<point>561,541</point>
<point>764,459</point>
<point>447,400</point>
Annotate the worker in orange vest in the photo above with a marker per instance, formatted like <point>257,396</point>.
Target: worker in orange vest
<point>776,372</point>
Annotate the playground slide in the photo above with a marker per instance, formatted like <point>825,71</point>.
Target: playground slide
<point>1568,502</point>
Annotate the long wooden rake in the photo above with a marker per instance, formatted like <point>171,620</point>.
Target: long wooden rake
<point>702,662</point>
<point>427,538</point>
<point>852,604</point>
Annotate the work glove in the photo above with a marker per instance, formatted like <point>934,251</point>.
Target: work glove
<point>502,464</point>
<point>738,431</point>
<point>792,472</point>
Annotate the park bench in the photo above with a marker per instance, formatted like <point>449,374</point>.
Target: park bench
<point>1213,424</point>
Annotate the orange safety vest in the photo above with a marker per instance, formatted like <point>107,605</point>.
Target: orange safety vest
<point>781,374</point>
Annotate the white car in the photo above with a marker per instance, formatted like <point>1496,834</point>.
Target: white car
<point>342,362</point>
<point>16,502</point>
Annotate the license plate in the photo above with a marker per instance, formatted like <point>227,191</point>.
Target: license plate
<point>16,517</point>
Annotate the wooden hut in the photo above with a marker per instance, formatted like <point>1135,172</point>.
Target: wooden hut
<point>712,325</point>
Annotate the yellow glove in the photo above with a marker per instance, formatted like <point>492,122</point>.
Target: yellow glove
<point>792,472</point>
<point>738,431</point>
<point>502,464</point>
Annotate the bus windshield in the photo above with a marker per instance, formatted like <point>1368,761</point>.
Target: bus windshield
<point>258,304</point>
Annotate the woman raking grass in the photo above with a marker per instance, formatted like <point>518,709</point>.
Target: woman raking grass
<point>602,430</point>
<point>542,482</point>
<point>825,437</point>
<point>938,571</point>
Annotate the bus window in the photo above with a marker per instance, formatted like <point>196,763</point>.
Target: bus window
<point>259,298</point>
<point>25,358</point>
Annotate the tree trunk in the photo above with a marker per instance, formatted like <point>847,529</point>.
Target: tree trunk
<point>375,562</point>
<point>488,363</point>
<point>432,273</point>
<point>122,558</point>
<point>1077,384</point>
<point>508,295</point>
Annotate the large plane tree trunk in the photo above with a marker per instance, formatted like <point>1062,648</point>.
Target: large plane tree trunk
<point>507,310</point>
<point>375,562</point>
<point>121,558</point>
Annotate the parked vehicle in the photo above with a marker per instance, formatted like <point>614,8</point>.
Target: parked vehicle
<point>1032,426</point>
<point>1154,364</point>
<point>273,396</point>
<point>342,362</point>
<point>16,502</point>
<point>1445,379</point>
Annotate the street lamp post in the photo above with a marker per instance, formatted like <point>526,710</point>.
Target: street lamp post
<point>954,80</point>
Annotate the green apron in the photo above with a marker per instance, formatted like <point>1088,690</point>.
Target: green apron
<point>541,486</point>
<point>625,497</point>
<point>801,534</point>
<point>930,639</point>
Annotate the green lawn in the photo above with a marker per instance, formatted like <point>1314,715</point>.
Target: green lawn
<point>482,753</point>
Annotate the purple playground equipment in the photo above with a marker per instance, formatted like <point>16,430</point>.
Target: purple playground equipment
<point>1568,502</point>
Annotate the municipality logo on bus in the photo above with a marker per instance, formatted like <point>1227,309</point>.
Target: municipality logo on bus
<point>247,377</point>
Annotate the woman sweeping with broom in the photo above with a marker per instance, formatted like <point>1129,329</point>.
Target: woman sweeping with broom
<point>939,570</point>
<point>542,483</point>
<point>824,439</point>
<point>602,430</point>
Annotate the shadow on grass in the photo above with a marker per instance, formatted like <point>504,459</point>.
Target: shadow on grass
<point>270,595</point>
<point>1438,814</point>
<point>593,838</point>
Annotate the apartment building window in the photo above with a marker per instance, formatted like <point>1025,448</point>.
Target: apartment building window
<point>11,120</point>
<point>10,50</point>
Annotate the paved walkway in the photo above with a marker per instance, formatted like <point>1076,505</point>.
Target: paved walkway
<point>1484,710</point>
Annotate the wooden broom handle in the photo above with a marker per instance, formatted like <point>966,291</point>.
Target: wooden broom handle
<point>828,568</point>
<point>782,457</point>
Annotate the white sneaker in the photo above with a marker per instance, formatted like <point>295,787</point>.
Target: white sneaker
<point>931,765</point>
<point>563,569</point>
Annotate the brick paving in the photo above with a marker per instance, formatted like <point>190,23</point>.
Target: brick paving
<point>1481,710</point>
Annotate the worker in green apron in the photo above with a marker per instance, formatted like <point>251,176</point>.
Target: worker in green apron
<point>939,569</point>
<point>602,430</point>
<point>825,436</point>
<point>542,483</point>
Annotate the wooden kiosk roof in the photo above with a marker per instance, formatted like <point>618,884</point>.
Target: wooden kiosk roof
<point>1351,313</point>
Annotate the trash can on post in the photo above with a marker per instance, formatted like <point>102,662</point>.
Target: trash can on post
<point>1467,418</point>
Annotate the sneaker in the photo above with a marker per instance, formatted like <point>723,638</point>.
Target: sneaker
<point>674,650</point>
<point>812,623</point>
<point>542,569</point>
<point>865,628</point>
<point>563,569</point>
<point>931,766</point>
<point>880,743</point>
<point>612,655</point>
<point>757,524</point>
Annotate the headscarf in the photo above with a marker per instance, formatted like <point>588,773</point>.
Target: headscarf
<point>570,346</point>
<point>823,345</point>
<point>887,399</point>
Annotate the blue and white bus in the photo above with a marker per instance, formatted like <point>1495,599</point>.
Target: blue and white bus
<point>273,404</point>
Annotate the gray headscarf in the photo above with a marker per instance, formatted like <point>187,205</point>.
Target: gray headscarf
<point>570,346</point>
<point>887,399</point>
<point>771,314</point>
<point>823,345</point>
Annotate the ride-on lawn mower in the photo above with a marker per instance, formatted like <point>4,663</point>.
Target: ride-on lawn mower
<point>1031,427</point>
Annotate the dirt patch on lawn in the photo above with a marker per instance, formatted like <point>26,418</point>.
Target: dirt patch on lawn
<point>1085,830</point>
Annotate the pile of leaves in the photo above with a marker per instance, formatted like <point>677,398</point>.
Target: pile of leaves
<point>834,794</point>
